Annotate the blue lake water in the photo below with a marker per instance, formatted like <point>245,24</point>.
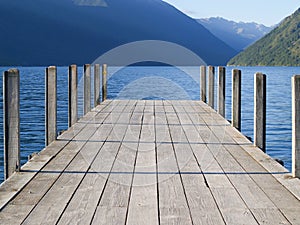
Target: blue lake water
<point>156,83</point>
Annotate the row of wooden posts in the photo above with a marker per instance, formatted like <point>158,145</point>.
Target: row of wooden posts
<point>11,107</point>
<point>259,99</point>
<point>51,86</point>
<point>11,82</point>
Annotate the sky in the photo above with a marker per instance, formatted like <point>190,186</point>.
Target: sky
<point>267,12</point>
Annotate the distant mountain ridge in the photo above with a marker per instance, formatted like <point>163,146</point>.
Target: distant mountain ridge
<point>61,32</point>
<point>238,35</point>
<point>281,47</point>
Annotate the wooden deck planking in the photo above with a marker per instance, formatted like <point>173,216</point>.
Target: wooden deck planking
<point>203,207</point>
<point>173,207</point>
<point>232,160</point>
<point>115,197</point>
<point>143,208</point>
<point>152,162</point>
<point>248,190</point>
<point>68,181</point>
<point>82,206</point>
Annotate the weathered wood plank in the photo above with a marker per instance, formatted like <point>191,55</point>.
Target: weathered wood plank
<point>57,165</point>
<point>117,191</point>
<point>84,202</point>
<point>202,204</point>
<point>173,205</point>
<point>237,160</point>
<point>242,183</point>
<point>109,215</point>
<point>68,182</point>
<point>143,205</point>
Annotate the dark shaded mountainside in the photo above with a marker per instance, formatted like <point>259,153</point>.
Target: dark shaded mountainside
<point>237,35</point>
<point>61,32</point>
<point>281,47</point>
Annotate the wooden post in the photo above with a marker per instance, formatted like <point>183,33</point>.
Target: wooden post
<point>211,86</point>
<point>96,85</point>
<point>73,84</point>
<point>260,86</point>
<point>51,104</point>
<point>236,99</point>
<point>11,108</point>
<point>221,97</point>
<point>203,83</point>
<point>87,88</point>
<point>296,126</point>
<point>104,82</point>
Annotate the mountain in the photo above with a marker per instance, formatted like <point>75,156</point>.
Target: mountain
<point>281,47</point>
<point>61,32</point>
<point>237,35</point>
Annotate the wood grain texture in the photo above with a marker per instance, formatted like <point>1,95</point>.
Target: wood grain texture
<point>51,104</point>
<point>236,99</point>
<point>203,84</point>
<point>211,86</point>
<point>73,95</point>
<point>86,88</point>
<point>221,90</point>
<point>296,126</point>
<point>11,123</point>
<point>260,107</point>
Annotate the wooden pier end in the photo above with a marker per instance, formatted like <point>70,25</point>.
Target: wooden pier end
<point>159,161</point>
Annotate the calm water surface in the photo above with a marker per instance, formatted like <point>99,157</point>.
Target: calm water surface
<point>156,83</point>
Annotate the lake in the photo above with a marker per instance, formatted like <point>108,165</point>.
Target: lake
<point>156,83</point>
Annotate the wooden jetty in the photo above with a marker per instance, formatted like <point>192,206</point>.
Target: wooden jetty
<point>151,162</point>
